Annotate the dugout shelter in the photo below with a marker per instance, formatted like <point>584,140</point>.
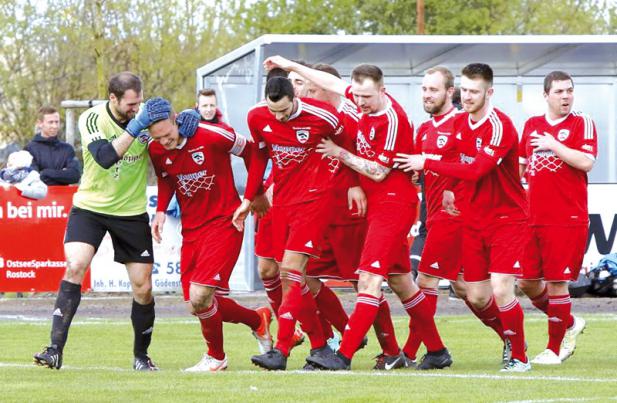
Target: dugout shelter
<point>519,63</point>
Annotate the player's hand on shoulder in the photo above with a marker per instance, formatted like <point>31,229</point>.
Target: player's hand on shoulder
<point>187,122</point>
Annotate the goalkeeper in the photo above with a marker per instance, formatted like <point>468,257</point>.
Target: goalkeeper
<point>111,198</point>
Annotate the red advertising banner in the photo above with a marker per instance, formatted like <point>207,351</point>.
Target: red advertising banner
<point>31,240</point>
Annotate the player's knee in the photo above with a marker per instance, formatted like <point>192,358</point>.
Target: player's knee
<point>142,292</point>
<point>459,289</point>
<point>75,269</point>
<point>201,297</point>
<point>527,286</point>
<point>370,284</point>
<point>267,268</point>
<point>314,285</point>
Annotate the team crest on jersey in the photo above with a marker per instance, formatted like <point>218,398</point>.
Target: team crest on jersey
<point>198,157</point>
<point>143,137</point>
<point>478,143</point>
<point>371,134</point>
<point>441,141</point>
<point>302,135</point>
<point>563,134</point>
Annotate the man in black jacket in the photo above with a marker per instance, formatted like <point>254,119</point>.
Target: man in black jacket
<point>54,159</point>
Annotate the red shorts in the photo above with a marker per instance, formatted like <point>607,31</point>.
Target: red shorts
<point>441,256</point>
<point>340,254</point>
<point>386,250</point>
<point>554,253</point>
<point>300,228</point>
<point>494,249</point>
<point>263,237</point>
<point>210,259</point>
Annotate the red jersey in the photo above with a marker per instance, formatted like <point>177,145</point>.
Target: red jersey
<point>489,158</point>
<point>436,139</point>
<point>558,191</point>
<point>300,174</point>
<point>380,137</point>
<point>199,172</point>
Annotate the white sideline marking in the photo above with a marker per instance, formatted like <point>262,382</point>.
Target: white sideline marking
<point>357,373</point>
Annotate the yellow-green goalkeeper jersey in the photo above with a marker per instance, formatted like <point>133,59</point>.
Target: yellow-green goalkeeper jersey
<point>121,189</point>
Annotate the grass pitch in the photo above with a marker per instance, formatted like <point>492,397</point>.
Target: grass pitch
<point>98,359</point>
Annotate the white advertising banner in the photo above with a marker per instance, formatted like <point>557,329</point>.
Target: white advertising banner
<point>602,222</point>
<point>109,276</point>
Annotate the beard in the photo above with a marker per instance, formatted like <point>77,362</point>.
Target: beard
<point>436,107</point>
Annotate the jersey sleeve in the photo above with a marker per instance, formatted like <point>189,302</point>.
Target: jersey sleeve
<point>523,156</point>
<point>502,137</point>
<point>397,137</point>
<point>258,161</point>
<point>165,187</point>
<point>89,128</point>
<point>587,141</point>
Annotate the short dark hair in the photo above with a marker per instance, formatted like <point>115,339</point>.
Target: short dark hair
<point>279,87</point>
<point>45,110</point>
<point>445,72</point>
<point>364,71</point>
<point>327,68</point>
<point>479,70</point>
<point>556,75</point>
<point>121,82</point>
<point>206,92</point>
<point>276,72</point>
<point>456,98</point>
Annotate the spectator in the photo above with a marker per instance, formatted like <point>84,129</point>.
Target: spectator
<point>18,172</point>
<point>54,159</point>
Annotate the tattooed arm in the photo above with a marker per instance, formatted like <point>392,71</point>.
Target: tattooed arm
<point>370,169</point>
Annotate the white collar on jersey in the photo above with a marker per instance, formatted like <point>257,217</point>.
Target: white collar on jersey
<point>479,123</point>
<point>298,111</point>
<point>182,143</point>
<point>447,116</point>
<point>384,110</point>
<point>556,121</point>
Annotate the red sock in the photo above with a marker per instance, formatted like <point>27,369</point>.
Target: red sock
<point>296,306</point>
<point>414,340</point>
<point>512,318</point>
<point>541,301</point>
<point>331,308</point>
<point>421,312</point>
<point>360,321</point>
<point>326,327</point>
<point>232,312</point>
<point>559,307</point>
<point>310,320</point>
<point>489,315</point>
<point>274,292</point>
<point>212,330</point>
<point>384,329</point>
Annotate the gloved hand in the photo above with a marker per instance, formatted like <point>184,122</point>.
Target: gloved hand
<point>154,110</point>
<point>187,122</point>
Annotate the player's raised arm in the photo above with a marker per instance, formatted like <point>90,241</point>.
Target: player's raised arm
<point>321,78</point>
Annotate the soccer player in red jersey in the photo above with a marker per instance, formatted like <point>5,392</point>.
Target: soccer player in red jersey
<point>495,221</point>
<point>192,160</point>
<point>345,236</point>
<point>441,257</point>
<point>383,130</point>
<point>557,150</point>
<point>288,129</point>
